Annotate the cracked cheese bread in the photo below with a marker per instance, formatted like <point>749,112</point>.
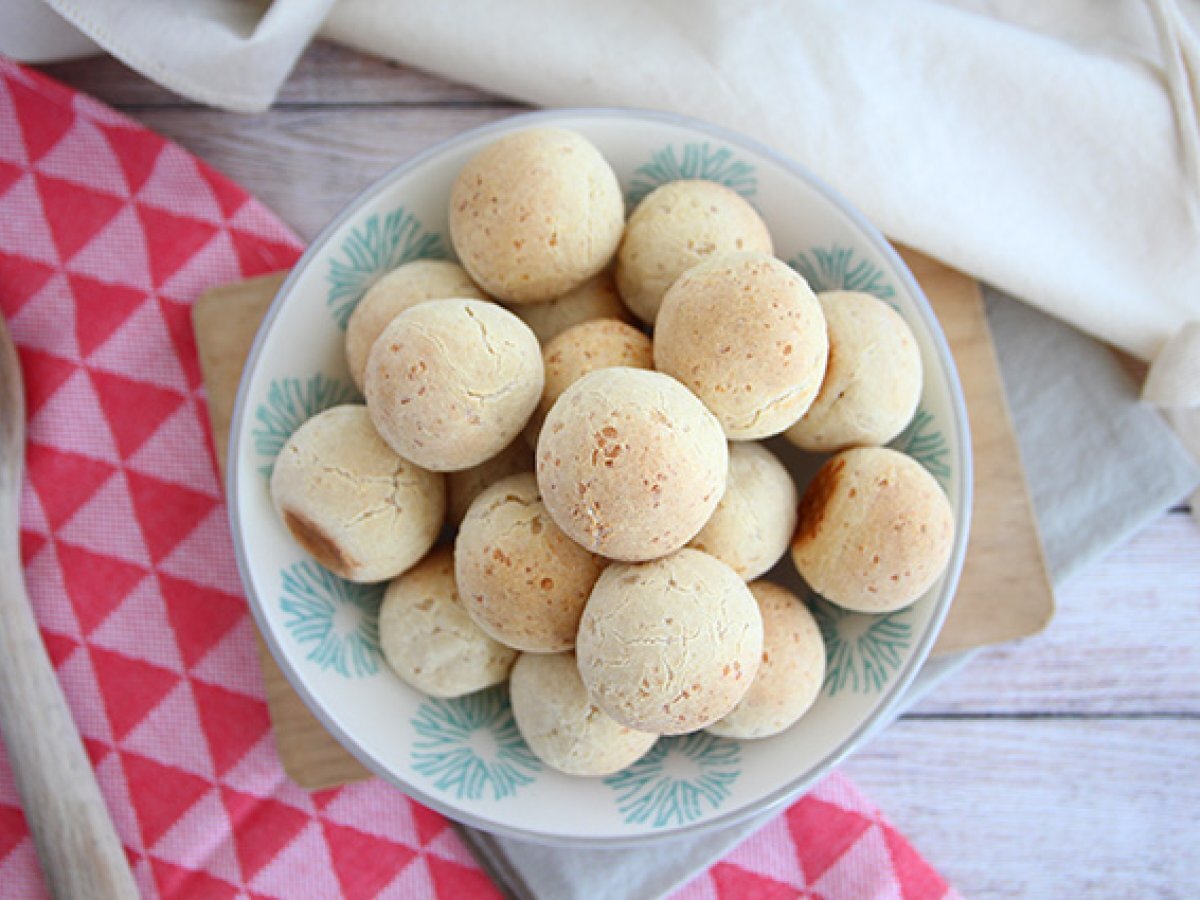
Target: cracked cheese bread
<point>450,383</point>
<point>360,510</point>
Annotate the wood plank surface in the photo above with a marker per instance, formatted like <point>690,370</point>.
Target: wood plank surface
<point>1125,641</point>
<point>1044,808</point>
<point>1060,766</point>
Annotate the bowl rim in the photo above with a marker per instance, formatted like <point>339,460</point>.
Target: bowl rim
<point>883,711</point>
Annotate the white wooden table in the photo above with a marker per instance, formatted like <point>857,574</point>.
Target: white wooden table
<point>1064,766</point>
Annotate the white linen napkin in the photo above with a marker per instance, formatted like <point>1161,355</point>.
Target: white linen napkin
<point>234,54</point>
<point>1173,385</point>
<point>1050,149</point>
<point>1049,165</point>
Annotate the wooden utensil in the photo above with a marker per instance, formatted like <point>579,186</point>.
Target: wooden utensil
<point>78,848</point>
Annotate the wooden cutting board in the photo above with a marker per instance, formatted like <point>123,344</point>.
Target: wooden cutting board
<point>1004,593</point>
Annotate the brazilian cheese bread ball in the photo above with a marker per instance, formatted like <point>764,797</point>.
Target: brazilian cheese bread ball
<point>450,383</point>
<point>676,226</point>
<point>429,640</point>
<point>408,285</point>
<point>535,214</point>
<point>596,298</point>
<point>747,336</point>
<point>792,670</point>
<point>630,464</point>
<point>873,379</point>
<point>356,507</point>
<point>584,348</point>
<point>671,645</point>
<point>874,532</point>
<point>754,522</point>
<point>562,726</point>
<point>463,486</point>
<point>521,579</point>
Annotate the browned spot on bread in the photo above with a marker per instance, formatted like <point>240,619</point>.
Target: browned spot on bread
<point>816,499</point>
<point>318,544</point>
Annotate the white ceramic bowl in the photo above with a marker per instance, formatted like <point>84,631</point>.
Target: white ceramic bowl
<point>464,757</point>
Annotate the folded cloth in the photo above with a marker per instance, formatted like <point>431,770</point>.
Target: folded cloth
<point>1048,164</point>
<point>32,32</point>
<point>229,53</point>
<point>1050,149</point>
<point>107,234</point>
<point>1173,385</point>
<point>1100,463</point>
<point>1070,401</point>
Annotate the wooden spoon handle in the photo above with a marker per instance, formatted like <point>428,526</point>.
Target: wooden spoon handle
<point>80,852</point>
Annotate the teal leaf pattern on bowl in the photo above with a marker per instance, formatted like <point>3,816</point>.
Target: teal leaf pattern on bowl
<point>290,403</point>
<point>470,746</point>
<point>924,442</point>
<point>713,163</point>
<point>861,651</point>
<point>679,780</point>
<point>838,269</point>
<point>334,620</point>
<point>372,250</point>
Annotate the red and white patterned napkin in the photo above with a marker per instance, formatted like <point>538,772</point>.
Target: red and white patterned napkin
<point>107,234</point>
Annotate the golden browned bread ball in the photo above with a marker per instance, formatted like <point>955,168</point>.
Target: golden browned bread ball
<point>521,579</point>
<point>356,507</point>
<point>584,348</point>
<point>535,214</point>
<point>875,530</point>
<point>873,379</point>
<point>672,645</point>
<point>747,336</point>
<point>560,723</point>
<point>792,670</point>
<point>754,522</point>
<point>630,464</point>
<point>676,226</point>
<point>596,298</point>
<point>463,486</point>
<point>429,640</point>
<point>408,285</point>
<point>450,383</point>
